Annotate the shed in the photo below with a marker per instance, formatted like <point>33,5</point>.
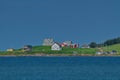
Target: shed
<point>10,49</point>
<point>74,46</point>
<point>27,48</point>
<point>85,46</point>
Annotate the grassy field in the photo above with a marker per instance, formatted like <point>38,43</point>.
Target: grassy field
<point>46,50</point>
<point>112,47</point>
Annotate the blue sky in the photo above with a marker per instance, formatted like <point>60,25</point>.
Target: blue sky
<point>82,21</point>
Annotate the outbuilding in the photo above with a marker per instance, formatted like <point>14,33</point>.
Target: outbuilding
<point>10,50</point>
<point>27,48</point>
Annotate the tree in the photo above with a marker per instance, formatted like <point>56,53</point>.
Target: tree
<point>93,44</point>
<point>112,41</point>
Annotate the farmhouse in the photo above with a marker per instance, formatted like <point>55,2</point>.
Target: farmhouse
<point>56,46</point>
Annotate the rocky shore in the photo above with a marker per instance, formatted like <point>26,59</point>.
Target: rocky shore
<point>42,54</point>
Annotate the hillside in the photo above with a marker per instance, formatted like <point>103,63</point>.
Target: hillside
<point>112,47</point>
<point>46,50</point>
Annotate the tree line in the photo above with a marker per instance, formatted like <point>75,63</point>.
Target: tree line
<point>106,43</point>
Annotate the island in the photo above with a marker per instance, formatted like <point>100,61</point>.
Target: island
<point>50,48</point>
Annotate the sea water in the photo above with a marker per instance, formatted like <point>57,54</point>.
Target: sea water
<point>59,68</point>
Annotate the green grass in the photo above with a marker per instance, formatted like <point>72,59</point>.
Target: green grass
<point>65,50</point>
<point>112,47</point>
<point>47,50</point>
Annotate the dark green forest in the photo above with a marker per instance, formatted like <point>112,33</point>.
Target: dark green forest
<point>105,43</point>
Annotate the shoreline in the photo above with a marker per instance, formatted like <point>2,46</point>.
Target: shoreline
<point>58,55</point>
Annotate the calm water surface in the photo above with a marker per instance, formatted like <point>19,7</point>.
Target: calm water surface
<point>59,68</point>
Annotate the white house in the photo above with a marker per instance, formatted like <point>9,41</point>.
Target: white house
<point>56,46</point>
